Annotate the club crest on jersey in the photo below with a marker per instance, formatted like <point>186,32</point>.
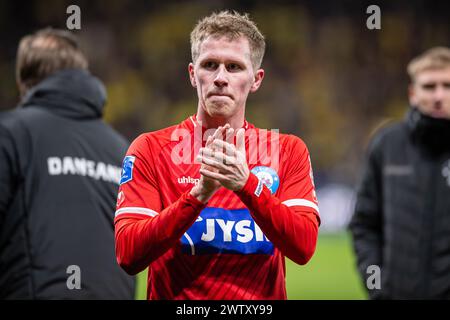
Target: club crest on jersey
<point>219,230</point>
<point>127,169</point>
<point>268,176</point>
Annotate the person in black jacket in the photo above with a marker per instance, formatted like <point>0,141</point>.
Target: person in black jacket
<point>401,224</point>
<point>59,174</point>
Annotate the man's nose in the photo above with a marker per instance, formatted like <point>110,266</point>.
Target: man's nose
<point>439,93</point>
<point>221,79</point>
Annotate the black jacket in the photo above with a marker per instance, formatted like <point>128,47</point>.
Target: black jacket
<point>59,172</point>
<point>402,216</point>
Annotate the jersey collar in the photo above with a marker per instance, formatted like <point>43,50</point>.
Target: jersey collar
<point>192,123</point>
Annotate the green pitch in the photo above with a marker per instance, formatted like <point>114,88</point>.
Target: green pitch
<point>331,273</point>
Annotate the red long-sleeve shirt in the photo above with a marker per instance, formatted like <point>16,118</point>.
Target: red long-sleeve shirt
<point>234,246</point>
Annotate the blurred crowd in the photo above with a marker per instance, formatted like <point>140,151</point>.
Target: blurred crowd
<point>330,80</point>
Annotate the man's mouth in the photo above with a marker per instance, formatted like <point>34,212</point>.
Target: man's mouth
<point>438,112</point>
<point>219,95</point>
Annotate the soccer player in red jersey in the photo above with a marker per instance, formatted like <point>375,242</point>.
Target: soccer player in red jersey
<point>213,205</point>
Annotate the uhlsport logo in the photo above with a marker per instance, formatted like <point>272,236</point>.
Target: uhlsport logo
<point>127,169</point>
<point>188,180</point>
<point>268,176</point>
<point>218,230</point>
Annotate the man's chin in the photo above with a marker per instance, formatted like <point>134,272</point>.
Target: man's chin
<point>218,110</point>
<point>439,115</point>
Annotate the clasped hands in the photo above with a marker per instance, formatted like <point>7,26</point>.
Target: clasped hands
<point>222,163</point>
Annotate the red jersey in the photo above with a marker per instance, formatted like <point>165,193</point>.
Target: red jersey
<point>234,246</point>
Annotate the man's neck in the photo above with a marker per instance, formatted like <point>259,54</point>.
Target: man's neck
<point>237,121</point>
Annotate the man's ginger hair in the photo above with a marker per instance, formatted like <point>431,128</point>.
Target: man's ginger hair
<point>231,25</point>
<point>432,59</point>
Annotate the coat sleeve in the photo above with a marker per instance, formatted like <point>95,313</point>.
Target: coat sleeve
<point>8,171</point>
<point>366,223</point>
<point>290,219</point>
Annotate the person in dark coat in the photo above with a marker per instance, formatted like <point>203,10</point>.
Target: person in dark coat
<point>59,176</point>
<point>401,224</point>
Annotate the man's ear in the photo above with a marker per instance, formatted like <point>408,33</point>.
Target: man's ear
<point>259,76</point>
<point>192,75</point>
<point>22,89</point>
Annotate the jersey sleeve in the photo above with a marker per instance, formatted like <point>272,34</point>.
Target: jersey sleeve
<point>298,190</point>
<point>291,218</point>
<point>138,192</point>
<point>143,229</point>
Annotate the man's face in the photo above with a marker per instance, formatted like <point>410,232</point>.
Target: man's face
<point>224,76</point>
<point>430,92</point>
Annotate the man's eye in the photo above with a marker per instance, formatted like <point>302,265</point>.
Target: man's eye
<point>210,65</point>
<point>233,67</point>
<point>447,85</point>
<point>429,86</point>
